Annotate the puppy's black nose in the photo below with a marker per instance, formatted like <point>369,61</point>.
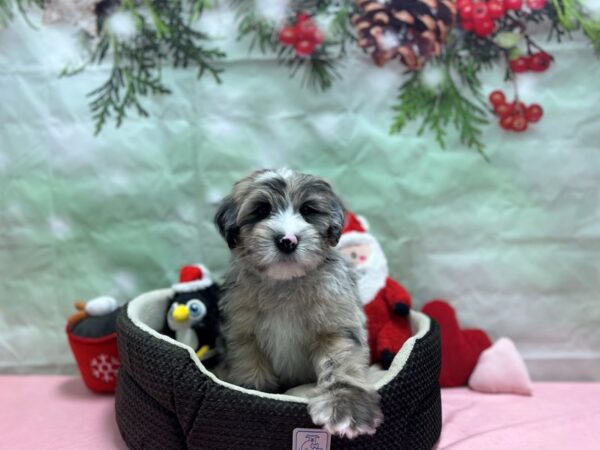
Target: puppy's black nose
<point>286,244</point>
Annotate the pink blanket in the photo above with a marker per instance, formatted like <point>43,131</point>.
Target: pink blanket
<point>55,412</point>
<point>559,416</point>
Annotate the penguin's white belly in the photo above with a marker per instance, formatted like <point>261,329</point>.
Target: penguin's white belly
<point>188,337</point>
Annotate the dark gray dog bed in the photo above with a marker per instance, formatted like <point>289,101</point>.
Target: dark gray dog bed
<point>166,399</point>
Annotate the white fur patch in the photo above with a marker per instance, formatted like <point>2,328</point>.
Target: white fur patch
<point>285,271</point>
<point>288,222</point>
<point>267,175</point>
<point>285,173</point>
<point>272,174</point>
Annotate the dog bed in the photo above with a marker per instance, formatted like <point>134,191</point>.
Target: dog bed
<point>166,399</point>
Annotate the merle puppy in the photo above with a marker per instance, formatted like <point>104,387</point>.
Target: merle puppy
<point>291,310</point>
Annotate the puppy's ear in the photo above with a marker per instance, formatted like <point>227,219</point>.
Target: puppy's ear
<point>337,221</point>
<point>225,220</point>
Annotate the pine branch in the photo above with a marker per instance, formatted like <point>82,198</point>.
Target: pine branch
<point>165,38</point>
<point>133,75</point>
<point>6,11</point>
<point>184,43</point>
<point>319,70</point>
<point>8,7</point>
<point>437,109</point>
<point>571,15</point>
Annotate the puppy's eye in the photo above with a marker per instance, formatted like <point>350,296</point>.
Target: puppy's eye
<point>307,210</point>
<point>262,211</point>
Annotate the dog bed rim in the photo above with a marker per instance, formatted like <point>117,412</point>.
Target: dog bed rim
<point>418,319</point>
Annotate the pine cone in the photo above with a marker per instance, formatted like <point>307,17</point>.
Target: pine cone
<point>413,29</point>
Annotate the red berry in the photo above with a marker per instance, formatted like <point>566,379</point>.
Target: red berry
<point>468,25</point>
<point>520,65</point>
<point>506,122</point>
<point>540,62</point>
<point>288,36</point>
<point>461,3</point>
<point>495,9</point>
<point>306,30</point>
<point>519,108</point>
<point>304,48</point>
<point>480,12</point>
<point>513,4</point>
<point>504,109</point>
<point>534,113</point>
<point>466,11</point>
<point>536,4</point>
<point>301,17</point>
<point>519,123</point>
<point>497,98</point>
<point>484,27</point>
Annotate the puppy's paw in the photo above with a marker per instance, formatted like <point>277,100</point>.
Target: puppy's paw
<point>346,410</point>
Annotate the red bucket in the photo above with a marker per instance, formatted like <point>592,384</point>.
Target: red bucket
<point>98,360</point>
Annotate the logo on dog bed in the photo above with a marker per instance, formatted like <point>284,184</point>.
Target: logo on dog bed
<point>311,439</point>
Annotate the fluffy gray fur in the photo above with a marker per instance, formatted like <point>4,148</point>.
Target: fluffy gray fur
<point>291,319</point>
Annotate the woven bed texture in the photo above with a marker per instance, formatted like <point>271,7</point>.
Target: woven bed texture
<point>164,401</point>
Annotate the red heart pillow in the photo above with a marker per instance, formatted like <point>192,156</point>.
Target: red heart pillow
<point>460,348</point>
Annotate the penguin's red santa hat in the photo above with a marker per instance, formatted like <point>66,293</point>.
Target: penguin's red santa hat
<point>194,277</point>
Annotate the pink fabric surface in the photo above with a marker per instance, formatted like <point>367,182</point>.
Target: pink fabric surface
<point>57,412</point>
<point>558,416</point>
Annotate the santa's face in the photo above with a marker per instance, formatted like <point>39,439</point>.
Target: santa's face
<point>357,255</point>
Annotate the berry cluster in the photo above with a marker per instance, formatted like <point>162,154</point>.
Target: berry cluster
<point>515,116</point>
<point>479,16</point>
<point>536,62</point>
<point>303,35</point>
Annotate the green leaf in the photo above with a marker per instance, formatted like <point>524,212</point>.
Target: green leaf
<point>447,106</point>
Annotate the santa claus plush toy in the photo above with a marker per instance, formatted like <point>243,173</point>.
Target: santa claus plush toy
<point>386,303</point>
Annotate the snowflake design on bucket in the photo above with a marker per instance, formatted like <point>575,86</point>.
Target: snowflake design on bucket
<point>105,367</point>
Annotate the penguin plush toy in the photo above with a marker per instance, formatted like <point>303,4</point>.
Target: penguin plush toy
<point>193,313</point>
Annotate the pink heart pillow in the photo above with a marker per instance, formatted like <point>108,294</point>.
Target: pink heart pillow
<point>501,370</point>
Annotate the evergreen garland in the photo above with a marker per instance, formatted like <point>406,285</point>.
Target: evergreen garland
<point>446,104</point>
<point>458,100</point>
<point>164,36</point>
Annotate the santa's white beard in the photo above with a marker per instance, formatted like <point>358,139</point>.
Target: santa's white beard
<point>372,274</point>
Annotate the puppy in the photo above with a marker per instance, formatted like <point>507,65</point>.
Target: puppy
<point>291,310</point>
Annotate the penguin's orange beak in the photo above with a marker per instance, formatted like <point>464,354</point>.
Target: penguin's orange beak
<point>181,313</point>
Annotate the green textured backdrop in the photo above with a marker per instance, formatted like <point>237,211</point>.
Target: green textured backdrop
<point>513,244</point>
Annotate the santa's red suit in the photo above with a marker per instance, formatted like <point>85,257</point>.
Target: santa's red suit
<point>386,303</point>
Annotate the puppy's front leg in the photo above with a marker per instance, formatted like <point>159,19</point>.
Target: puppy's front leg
<point>246,365</point>
<point>343,403</point>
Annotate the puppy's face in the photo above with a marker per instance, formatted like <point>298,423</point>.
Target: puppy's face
<point>281,223</point>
